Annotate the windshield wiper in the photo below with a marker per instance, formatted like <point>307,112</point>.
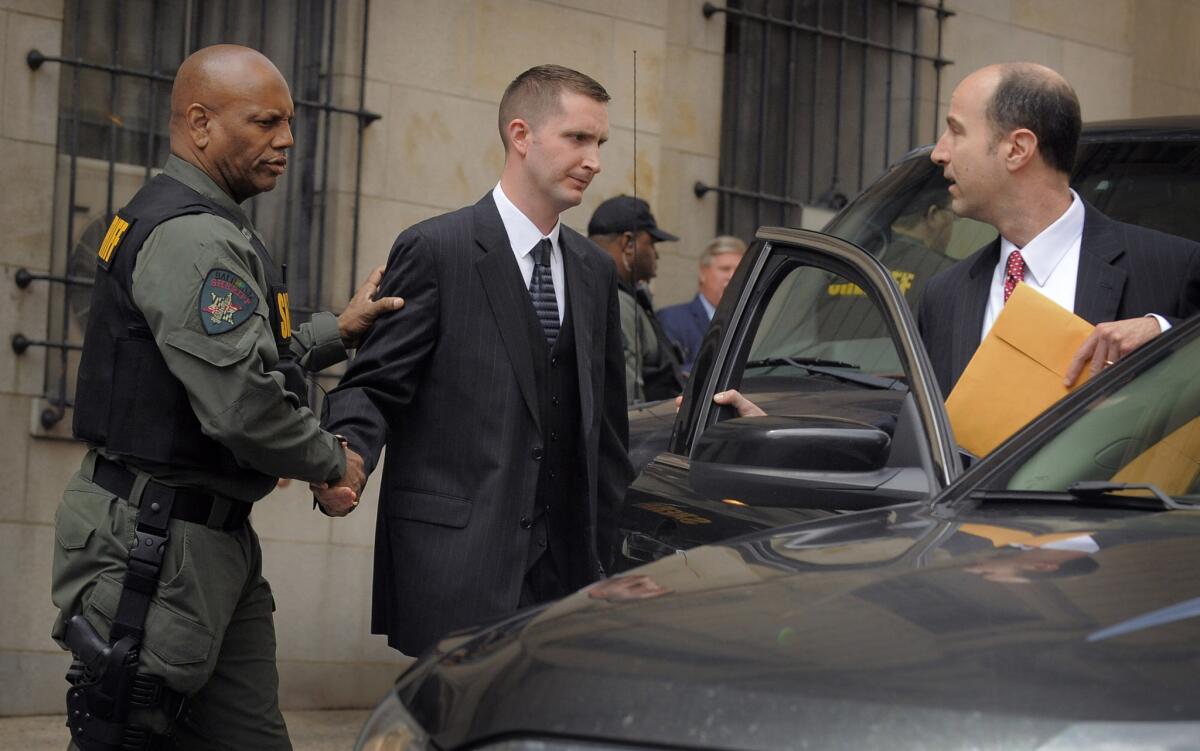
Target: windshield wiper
<point>801,362</point>
<point>834,369</point>
<point>1089,490</point>
<point>1099,492</point>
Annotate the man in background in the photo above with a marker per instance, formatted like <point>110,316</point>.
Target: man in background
<point>624,227</point>
<point>686,323</point>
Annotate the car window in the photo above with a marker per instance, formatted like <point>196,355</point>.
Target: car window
<point>819,330</point>
<point>1151,184</point>
<point>1147,431</point>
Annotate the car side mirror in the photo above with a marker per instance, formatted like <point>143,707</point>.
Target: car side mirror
<point>822,463</point>
<point>826,444</point>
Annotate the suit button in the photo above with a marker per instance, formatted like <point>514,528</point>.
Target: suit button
<point>541,543</point>
<point>537,454</point>
<point>554,362</point>
<point>554,400</point>
<point>526,522</point>
<point>554,435</point>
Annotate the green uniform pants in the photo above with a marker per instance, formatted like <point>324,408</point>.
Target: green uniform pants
<point>209,630</point>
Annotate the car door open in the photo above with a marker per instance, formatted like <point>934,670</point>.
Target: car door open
<point>825,345</point>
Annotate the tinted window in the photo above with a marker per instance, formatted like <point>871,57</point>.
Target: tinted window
<point>1148,431</point>
<point>818,314</point>
<point>1149,184</point>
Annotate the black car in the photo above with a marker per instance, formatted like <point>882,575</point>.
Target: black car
<point>819,334</point>
<point>1048,599</point>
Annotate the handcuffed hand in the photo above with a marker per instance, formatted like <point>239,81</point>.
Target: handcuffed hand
<point>363,309</point>
<point>342,498</point>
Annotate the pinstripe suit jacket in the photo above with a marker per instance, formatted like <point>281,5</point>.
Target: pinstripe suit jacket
<point>1125,271</point>
<point>447,383</point>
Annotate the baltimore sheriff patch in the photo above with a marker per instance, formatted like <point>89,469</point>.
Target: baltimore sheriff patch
<point>226,301</point>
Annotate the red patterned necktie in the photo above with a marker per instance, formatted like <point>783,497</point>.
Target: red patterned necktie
<point>1014,273</point>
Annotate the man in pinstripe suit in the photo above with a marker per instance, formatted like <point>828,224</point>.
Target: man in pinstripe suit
<point>1008,150</point>
<point>499,391</point>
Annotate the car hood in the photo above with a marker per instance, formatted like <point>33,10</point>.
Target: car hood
<point>894,628</point>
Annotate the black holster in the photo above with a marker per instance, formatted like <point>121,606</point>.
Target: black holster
<point>104,677</point>
<point>105,685</point>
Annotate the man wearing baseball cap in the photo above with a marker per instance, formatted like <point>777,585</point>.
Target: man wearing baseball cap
<point>624,227</point>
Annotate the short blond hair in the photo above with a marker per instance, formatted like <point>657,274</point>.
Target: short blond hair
<point>720,245</point>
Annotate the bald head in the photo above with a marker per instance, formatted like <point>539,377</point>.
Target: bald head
<point>230,116</point>
<point>1037,98</point>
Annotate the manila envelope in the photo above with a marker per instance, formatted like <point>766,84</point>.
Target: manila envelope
<point>1017,372</point>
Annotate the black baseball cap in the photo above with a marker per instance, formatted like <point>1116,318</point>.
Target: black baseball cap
<point>626,214</point>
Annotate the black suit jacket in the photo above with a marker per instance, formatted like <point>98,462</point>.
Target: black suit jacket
<point>447,382</point>
<point>1125,271</point>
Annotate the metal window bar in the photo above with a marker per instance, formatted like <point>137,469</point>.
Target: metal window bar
<point>312,74</point>
<point>762,172</point>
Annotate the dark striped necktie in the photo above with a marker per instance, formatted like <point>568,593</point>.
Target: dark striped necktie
<point>541,291</point>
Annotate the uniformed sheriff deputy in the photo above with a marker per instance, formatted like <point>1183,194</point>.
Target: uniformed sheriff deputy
<point>192,399</point>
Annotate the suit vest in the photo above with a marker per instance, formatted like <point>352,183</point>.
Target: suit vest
<point>560,510</point>
<point>126,399</point>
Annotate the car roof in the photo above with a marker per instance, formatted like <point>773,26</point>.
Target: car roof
<point>1174,128</point>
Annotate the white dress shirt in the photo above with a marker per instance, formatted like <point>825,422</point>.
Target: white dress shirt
<point>523,237</point>
<point>1051,263</point>
<point>710,310</point>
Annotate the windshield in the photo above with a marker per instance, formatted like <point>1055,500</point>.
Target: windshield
<point>904,218</point>
<point>1147,431</point>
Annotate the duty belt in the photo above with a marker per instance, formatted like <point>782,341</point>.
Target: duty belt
<point>189,504</point>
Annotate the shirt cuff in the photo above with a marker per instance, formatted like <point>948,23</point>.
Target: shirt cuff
<point>339,453</point>
<point>1163,323</point>
<point>327,348</point>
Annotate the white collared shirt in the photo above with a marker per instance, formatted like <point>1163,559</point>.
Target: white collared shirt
<point>1051,263</point>
<point>710,310</point>
<point>523,237</point>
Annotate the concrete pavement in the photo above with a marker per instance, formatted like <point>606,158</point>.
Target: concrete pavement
<point>311,730</point>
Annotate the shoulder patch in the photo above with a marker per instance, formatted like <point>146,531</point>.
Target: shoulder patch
<point>226,301</point>
<point>112,240</point>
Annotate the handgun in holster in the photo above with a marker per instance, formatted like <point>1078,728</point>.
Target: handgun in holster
<point>105,685</point>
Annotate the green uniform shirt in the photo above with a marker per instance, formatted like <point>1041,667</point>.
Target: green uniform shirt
<point>237,397</point>
<point>640,344</point>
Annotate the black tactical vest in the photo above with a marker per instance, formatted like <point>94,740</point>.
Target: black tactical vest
<point>126,399</point>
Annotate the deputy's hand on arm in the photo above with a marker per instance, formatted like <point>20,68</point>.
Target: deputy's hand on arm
<point>342,498</point>
<point>364,309</point>
<point>1108,343</point>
